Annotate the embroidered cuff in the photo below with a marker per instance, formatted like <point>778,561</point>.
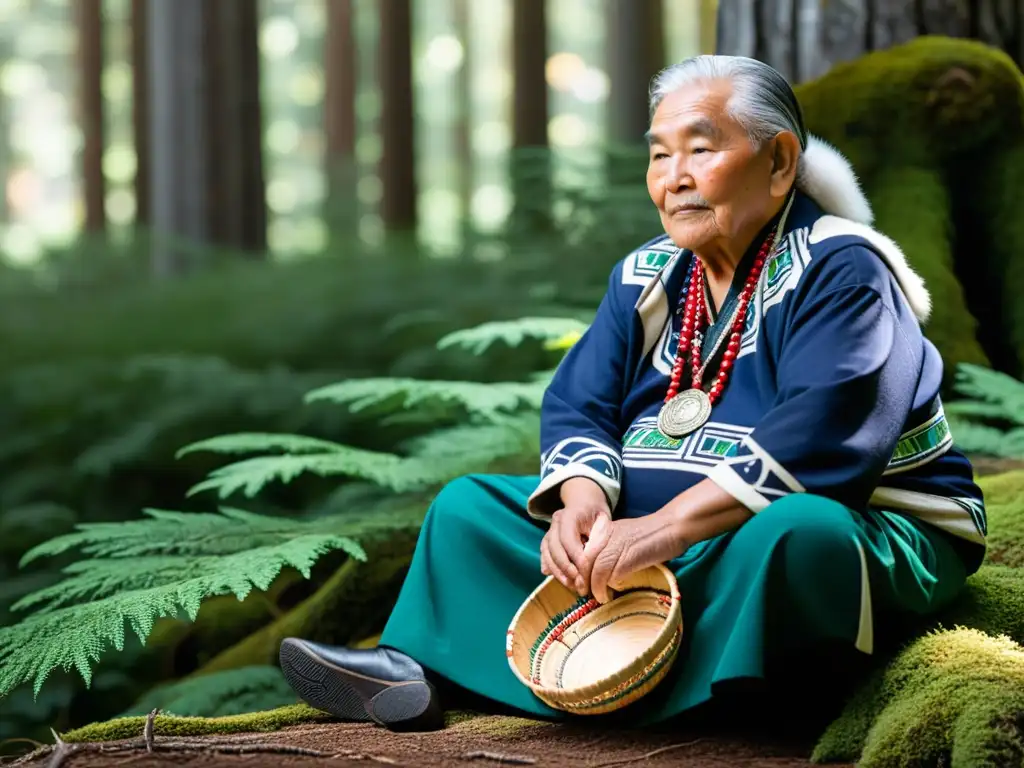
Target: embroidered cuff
<point>546,498</point>
<point>575,457</point>
<point>753,477</point>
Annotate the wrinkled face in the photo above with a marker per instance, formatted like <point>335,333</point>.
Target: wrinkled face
<point>711,187</point>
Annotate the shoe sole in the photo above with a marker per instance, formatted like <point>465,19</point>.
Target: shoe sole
<point>350,695</point>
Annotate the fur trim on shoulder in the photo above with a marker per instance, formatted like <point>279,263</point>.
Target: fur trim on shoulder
<point>911,284</point>
<point>827,177</point>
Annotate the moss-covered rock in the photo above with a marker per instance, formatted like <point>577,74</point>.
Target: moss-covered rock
<point>993,195</point>
<point>918,104</point>
<point>952,698</point>
<point>934,129</point>
<point>171,725</point>
<point>957,692</point>
<point>1004,505</point>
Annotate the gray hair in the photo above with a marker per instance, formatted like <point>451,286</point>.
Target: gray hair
<point>763,101</point>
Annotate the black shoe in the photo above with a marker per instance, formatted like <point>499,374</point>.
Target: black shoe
<point>373,684</point>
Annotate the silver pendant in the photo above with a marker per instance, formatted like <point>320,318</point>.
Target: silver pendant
<point>684,413</point>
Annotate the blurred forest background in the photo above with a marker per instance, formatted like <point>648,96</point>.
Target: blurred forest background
<point>344,241</point>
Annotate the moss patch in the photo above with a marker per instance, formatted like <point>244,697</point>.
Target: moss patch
<point>912,206</point>
<point>917,104</point>
<point>947,698</point>
<point>957,692</point>
<point>169,725</point>
<point>933,130</point>
<point>1004,503</point>
<point>503,726</point>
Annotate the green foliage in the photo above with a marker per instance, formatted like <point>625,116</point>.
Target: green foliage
<point>168,564</point>
<point>1004,507</point>
<point>953,694</point>
<point>170,725</point>
<point>990,420</point>
<point>142,570</point>
<point>231,692</point>
<point>951,698</point>
<point>479,339</point>
<point>933,129</point>
<point>461,426</point>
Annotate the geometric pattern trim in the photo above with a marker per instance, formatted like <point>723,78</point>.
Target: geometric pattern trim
<point>586,451</point>
<point>645,446</point>
<point>754,477</point>
<point>643,266</point>
<point>921,444</point>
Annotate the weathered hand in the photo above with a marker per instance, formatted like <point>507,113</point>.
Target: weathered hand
<point>561,551</point>
<point>617,549</point>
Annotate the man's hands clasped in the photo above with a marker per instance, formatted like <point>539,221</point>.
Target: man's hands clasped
<point>588,552</point>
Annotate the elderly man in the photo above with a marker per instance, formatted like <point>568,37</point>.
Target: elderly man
<point>754,405</point>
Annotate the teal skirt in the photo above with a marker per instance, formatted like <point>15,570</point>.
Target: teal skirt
<point>804,572</point>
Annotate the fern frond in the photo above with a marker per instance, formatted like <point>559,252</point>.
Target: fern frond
<point>980,438</point>
<point>505,437</point>
<point>139,583</point>
<point>77,635</point>
<point>205,575</point>
<point>975,409</point>
<point>250,475</point>
<point>251,442</point>
<point>231,692</point>
<point>988,386</point>
<point>167,532</point>
<point>484,400</point>
<point>513,332</point>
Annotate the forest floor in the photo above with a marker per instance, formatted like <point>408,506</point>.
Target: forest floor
<point>481,740</point>
<point>490,740</point>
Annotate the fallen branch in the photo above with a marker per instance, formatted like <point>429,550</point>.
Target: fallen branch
<point>147,731</point>
<point>647,756</point>
<point>500,758</point>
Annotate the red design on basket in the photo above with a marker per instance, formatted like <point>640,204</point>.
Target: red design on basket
<point>558,631</point>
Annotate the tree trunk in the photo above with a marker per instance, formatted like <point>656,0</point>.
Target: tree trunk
<point>205,162</point>
<point>708,26</point>
<point>636,53</point>
<point>804,38</point>
<point>464,120</point>
<point>341,204</point>
<point>237,210</point>
<point>530,171</point>
<point>140,109</point>
<point>90,63</point>
<point>397,167</point>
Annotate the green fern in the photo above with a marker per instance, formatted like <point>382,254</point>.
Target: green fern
<point>434,458</point>
<point>250,476</point>
<point>132,577</point>
<point>513,332</point>
<point>247,442</point>
<point>180,533</point>
<point>991,418</point>
<point>481,400</point>
<point>231,692</point>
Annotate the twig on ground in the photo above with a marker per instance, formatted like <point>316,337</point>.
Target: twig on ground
<point>647,756</point>
<point>60,750</point>
<point>147,731</point>
<point>509,759</point>
<point>239,749</point>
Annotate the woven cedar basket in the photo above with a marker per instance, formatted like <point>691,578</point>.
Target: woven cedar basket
<point>582,657</point>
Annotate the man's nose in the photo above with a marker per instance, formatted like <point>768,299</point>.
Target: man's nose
<point>678,176</point>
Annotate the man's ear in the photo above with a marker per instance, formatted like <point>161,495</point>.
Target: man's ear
<point>785,149</point>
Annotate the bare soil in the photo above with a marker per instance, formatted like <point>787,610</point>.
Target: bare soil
<point>482,741</point>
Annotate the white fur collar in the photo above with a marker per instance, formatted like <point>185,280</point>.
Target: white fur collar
<point>828,178</point>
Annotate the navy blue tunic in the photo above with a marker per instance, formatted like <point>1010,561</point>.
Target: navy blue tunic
<point>835,390</point>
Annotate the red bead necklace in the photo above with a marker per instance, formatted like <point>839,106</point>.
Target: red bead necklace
<point>682,414</point>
